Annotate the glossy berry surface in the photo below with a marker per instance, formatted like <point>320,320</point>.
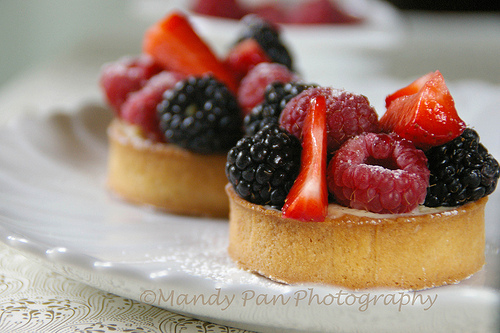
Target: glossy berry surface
<point>201,115</point>
<point>276,96</point>
<point>262,168</point>
<point>379,173</point>
<point>347,115</point>
<point>428,117</point>
<point>410,89</point>
<point>174,43</point>
<point>308,198</point>
<point>462,170</point>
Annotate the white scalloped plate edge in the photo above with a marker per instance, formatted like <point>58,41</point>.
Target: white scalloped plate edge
<point>35,147</point>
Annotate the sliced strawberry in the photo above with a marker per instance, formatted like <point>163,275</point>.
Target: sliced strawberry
<point>427,118</point>
<point>410,89</point>
<point>174,44</point>
<point>244,56</point>
<point>308,198</point>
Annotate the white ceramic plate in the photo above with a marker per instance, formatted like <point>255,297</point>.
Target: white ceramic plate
<point>54,208</point>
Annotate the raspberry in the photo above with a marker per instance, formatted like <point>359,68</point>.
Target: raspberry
<point>140,106</point>
<point>379,173</point>
<point>262,168</point>
<point>126,75</point>
<point>244,56</point>
<point>276,96</point>
<point>200,114</point>
<point>347,115</point>
<point>253,85</point>
<point>462,170</point>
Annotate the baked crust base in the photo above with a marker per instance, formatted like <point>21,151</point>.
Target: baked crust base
<point>409,252</point>
<point>164,175</point>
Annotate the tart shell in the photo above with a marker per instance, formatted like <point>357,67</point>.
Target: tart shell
<point>164,175</point>
<point>356,250</point>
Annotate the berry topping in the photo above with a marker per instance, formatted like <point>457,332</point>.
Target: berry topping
<point>253,85</point>
<point>271,12</point>
<point>462,170</point>
<point>410,89</point>
<point>124,76</point>
<point>140,107</point>
<point>347,115</point>
<point>263,167</point>
<point>427,118</point>
<point>276,96</point>
<point>320,12</point>
<point>379,173</point>
<point>200,114</point>
<point>244,56</point>
<point>308,199</point>
<point>268,36</point>
<point>174,44</point>
<point>219,8</point>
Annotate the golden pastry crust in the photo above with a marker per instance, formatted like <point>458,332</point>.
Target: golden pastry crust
<point>164,175</point>
<point>356,250</point>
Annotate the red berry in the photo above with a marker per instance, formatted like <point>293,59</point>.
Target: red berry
<point>320,12</point>
<point>427,118</point>
<point>308,198</point>
<point>244,56</point>
<point>174,44</point>
<point>410,89</point>
<point>271,12</point>
<point>253,85</point>
<point>380,173</point>
<point>219,8</point>
<point>347,114</point>
<point>126,75</point>
<point>140,107</point>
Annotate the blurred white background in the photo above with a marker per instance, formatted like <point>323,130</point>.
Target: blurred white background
<point>33,31</point>
<point>49,44</point>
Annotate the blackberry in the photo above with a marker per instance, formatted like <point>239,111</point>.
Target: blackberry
<point>276,96</point>
<point>462,170</point>
<point>268,38</point>
<point>201,115</point>
<point>263,167</point>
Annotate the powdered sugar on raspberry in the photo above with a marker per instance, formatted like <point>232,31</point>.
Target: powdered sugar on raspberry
<point>348,114</point>
<point>379,173</point>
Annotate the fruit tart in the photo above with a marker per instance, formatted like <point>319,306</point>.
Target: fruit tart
<point>179,108</point>
<point>323,191</point>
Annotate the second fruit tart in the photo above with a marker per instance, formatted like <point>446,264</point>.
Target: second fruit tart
<point>178,111</point>
<point>396,202</point>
